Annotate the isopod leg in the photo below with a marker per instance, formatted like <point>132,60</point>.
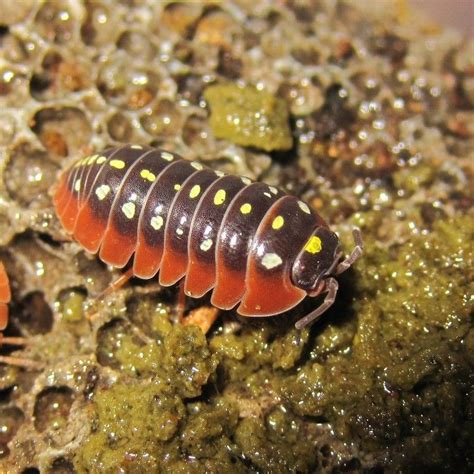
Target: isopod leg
<point>117,284</point>
<point>114,286</point>
<point>181,303</point>
<point>355,254</point>
<point>13,341</point>
<point>203,317</point>
<point>331,288</point>
<point>19,362</point>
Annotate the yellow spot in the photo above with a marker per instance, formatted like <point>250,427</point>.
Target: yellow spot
<point>119,164</point>
<point>196,165</point>
<point>177,187</point>
<point>147,174</point>
<point>246,208</point>
<point>219,198</point>
<point>304,207</point>
<point>136,147</point>
<point>157,222</point>
<point>278,222</point>
<point>92,159</point>
<point>195,191</point>
<point>129,209</point>
<point>167,156</point>
<point>101,159</point>
<point>219,173</point>
<point>314,245</point>
<point>245,180</point>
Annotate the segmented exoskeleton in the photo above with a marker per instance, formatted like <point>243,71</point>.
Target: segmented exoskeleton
<point>248,242</point>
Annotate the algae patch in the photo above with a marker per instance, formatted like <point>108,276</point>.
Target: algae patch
<point>132,421</point>
<point>249,117</point>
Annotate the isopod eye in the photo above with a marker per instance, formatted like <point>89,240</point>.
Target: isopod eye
<point>315,259</point>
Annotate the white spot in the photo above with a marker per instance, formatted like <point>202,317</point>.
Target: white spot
<point>129,209</point>
<point>219,173</point>
<point>167,156</point>
<point>77,185</point>
<point>136,147</point>
<point>267,194</point>
<point>196,165</point>
<point>304,207</point>
<point>245,180</point>
<point>271,260</point>
<point>102,191</point>
<point>206,245</point>
<point>179,231</point>
<point>273,190</point>
<point>157,222</point>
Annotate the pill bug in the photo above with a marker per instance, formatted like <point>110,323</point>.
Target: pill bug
<point>248,242</point>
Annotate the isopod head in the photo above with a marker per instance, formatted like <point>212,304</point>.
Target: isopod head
<point>316,261</point>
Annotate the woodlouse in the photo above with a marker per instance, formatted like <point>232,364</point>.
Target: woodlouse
<point>247,241</point>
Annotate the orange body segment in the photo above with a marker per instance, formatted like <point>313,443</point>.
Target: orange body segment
<point>229,289</point>
<point>173,267</point>
<point>200,278</point>
<point>116,248</point>
<point>147,259</point>
<point>89,230</point>
<point>267,296</point>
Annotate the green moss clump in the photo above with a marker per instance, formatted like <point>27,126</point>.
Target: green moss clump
<point>146,427</point>
<point>180,355</point>
<point>133,420</point>
<point>249,117</point>
<point>280,444</point>
<point>209,429</point>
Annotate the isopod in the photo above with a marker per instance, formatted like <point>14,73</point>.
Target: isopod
<point>248,242</point>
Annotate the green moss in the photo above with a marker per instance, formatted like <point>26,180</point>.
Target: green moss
<point>180,355</point>
<point>209,430</point>
<point>280,444</point>
<point>133,422</point>
<point>145,427</point>
<point>249,117</point>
